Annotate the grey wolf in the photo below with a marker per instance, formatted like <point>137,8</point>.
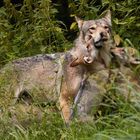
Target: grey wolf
<point>36,74</point>
<point>96,36</point>
<point>39,74</point>
<point>43,74</point>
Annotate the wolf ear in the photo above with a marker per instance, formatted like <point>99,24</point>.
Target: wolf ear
<point>79,21</point>
<point>108,17</point>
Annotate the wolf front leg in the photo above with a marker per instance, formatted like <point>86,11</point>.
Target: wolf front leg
<point>69,91</point>
<point>64,100</point>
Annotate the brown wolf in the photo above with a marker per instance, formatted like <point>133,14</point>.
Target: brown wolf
<point>95,35</point>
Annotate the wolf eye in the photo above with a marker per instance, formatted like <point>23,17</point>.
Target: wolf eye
<point>92,28</point>
<point>106,27</point>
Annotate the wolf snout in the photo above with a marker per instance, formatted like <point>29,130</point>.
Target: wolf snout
<point>99,42</point>
<point>103,36</point>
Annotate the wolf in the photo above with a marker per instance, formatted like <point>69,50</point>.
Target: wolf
<point>62,73</point>
<point>121,74</point>
<point>41,74</point>
<point>98,33</point>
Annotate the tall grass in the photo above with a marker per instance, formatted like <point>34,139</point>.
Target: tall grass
<point>116,119</point>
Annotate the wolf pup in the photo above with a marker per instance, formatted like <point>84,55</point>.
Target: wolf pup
<point>95,35</point>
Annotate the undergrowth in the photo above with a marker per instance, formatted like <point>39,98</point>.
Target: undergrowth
<point>116,120</point>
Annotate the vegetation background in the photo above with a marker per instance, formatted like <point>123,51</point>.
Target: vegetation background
<point>30,27</point>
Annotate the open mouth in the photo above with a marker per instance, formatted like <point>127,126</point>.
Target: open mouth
<point>99,44</point>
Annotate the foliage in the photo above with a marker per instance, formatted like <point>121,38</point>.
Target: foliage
<point>30,30</point>
<point>43,26</point>
<point>121,124</point>
<point>125,17</point>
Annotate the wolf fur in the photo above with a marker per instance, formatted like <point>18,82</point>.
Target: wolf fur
<point>34,74</point>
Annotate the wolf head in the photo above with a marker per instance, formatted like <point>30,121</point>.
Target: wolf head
<point>99,30</point>
<point>94,35</point>
<point>126,56</point>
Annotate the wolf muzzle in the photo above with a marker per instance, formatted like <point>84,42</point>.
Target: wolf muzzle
<point>100,42</point>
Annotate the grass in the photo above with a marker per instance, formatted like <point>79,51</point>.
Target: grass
<point>122,123</point>
<point>116,119</point>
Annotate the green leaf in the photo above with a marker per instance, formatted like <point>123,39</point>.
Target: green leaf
<point>117,39</point>
<point>73,26</point>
